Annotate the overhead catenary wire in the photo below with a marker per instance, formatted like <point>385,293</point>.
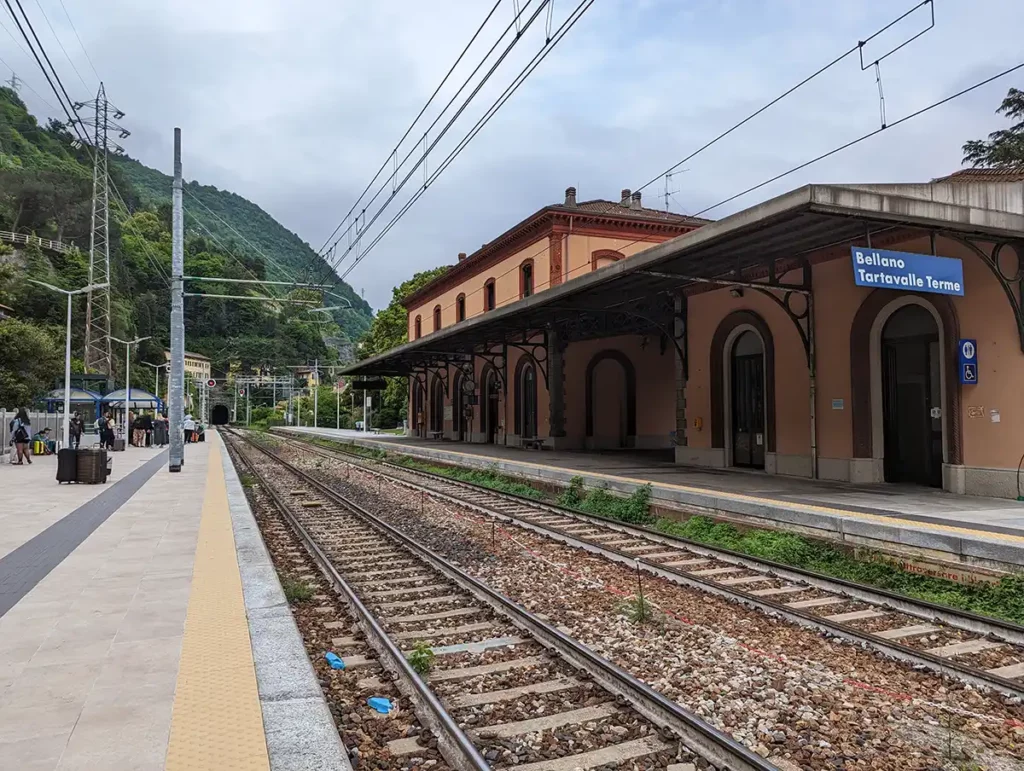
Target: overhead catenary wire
<point>398,145</point>
<point>532,65</point>
<point>442,133</point>
<point>846,145</point>
<point>62,48</point>
<point>84,50</point>
<point>858,47</point>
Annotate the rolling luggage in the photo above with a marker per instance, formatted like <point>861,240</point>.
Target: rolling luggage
<point>67,465</point>
<point>92,467</point>
<point>119,445</point>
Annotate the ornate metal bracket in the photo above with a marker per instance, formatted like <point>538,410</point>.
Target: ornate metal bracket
<point>538,351</point>
<point>440,371</point>
<point>465,366</point>
<point>1012,282</point>
<point>496,358</point>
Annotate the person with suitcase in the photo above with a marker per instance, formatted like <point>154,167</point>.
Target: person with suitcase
<point>75,430</point>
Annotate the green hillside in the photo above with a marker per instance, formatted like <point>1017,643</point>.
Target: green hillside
<point>288,257</point>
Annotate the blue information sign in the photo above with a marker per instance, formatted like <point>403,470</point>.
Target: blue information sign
<point>967,353</point>
<point>906,270</point>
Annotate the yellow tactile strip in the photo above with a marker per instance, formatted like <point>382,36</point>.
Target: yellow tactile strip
<point>911,524</point>
<point>217,723</point>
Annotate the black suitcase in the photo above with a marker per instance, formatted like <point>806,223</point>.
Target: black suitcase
<point>67,465</point>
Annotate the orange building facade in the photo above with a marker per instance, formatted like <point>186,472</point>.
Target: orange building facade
<point>743,343</point>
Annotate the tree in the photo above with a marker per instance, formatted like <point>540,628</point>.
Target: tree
<point>390,328</point>
<point>1003,148</point>
<point>30,363</point>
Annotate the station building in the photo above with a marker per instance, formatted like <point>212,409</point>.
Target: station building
<point>868,333</point>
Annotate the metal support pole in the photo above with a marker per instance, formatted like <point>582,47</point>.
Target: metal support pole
<point>812,366</point>
<point>248,408</point>
<point>66,432</point>
<point>316,391</point>
<point>365,426</point>
<point>127,390</point>
<point>176,387</point>
<point>234,410</point>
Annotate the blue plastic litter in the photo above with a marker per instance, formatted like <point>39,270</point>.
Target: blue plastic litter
<point>335,661</point>
<point>380,704</point>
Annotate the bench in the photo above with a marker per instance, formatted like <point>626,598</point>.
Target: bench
<point>435,434</point>
<point>532,444</point>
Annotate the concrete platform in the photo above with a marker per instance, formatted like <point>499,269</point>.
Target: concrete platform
<point>918,522</point>
<point>142,626</point>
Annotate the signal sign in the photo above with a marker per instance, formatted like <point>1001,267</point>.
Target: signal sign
<point>241,392</point>
<point>211,383</point>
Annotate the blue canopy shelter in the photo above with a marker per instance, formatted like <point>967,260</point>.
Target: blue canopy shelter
<point>140,400</point>
<point>86,402</point>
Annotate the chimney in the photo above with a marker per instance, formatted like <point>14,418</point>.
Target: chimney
<point>636,201</point>
<point>462,256</point>
<point>570,196</point>
<point>625,197</point>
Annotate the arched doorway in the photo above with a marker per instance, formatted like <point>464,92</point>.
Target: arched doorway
<point>746,400</point>
<point>458,408</point>
<point>220,416</point>
<point>526,398</point>
<point>417,408</point>
<point>912,397</point>
<point>436,405</point>
<point>491,411</point>
<point>610,401</point>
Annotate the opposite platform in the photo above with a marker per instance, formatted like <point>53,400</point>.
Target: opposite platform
<point>918,521</point>
<point>147,621</point>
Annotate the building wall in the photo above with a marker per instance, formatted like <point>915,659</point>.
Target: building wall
<point>991,450</point>
<point>577,250</point>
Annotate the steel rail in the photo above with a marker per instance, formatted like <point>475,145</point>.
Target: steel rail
<point>453,743</point>
<point>965,620</point>
<point>704,739</point>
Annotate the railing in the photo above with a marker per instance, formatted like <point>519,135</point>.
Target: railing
<point>42,243</point>
<point>40,420</point>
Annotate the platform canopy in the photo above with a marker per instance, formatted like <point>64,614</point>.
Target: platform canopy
<point>141,400</point>
<point>78,396</point>
<point>759,244</point>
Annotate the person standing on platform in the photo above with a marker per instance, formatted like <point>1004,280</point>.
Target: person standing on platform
<point>106,423</point>
<point>147,429</point>
<point>190,428</point>
<point>75,429</point>
<point>21,433</point>
<point>138,432</point>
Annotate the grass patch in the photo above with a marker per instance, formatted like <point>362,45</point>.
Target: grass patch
<point>296,591</point>
<point>636,509</point>
<point>247,479</point>
<point>1004,599</point>
<point>490,478</point>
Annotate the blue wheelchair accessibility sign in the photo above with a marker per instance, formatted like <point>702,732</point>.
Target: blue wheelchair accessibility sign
<point>968,361</point>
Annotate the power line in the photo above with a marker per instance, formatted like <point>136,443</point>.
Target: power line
<point>411,125</point>
<point>586,266</point>
<point>426,149</point>
<point>510,90</point>
<point>88,58</point>
<point>62,48</point>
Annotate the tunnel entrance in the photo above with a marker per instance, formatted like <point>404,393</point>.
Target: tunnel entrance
<point>220,416</point>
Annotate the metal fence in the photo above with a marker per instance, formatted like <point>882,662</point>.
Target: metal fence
<point>40,420</point>
<point>42,243</point>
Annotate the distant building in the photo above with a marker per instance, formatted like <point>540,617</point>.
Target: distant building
<point>197,366</point>
<point>6,313</point>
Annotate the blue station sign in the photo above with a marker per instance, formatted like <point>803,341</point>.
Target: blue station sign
<point>967,351</point>
<point>905,270</point>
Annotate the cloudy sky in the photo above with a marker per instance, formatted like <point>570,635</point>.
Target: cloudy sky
<point>295,105</point>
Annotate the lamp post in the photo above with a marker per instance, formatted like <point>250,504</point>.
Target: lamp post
<point>128,375</point>
<point>157,367</point>
<point>66,433</point>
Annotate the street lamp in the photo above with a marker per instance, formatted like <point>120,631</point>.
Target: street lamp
<point>65,435</point>
<point>128,375</point>
<point>157,367</point>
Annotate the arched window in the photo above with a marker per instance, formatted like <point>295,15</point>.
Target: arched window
<point>437,317</point>
<point>490,298</point>
<point>604,257</point>
<point>526,398</point>
<point>526,279</point>
<point>418,328</point>
<point>460,308</point>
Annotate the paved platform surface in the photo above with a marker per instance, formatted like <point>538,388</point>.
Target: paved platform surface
<point>876,512</point>
<point>131,617</point>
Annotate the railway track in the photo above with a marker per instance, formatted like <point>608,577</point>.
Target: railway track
<point>505,688</point>
<point>982,651</point>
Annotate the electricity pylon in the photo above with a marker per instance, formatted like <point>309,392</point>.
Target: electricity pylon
<point>98,356</point>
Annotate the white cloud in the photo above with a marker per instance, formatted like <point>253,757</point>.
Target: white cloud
<point>295,105</point>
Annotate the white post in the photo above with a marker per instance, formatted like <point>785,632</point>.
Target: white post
<point>337,395</point>
<point>176,384</point>
<point>316,391</point>
<point>366,427</point>
<point>66,434</point>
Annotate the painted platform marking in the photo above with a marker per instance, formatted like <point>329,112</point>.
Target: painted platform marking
<point>217,722</point>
